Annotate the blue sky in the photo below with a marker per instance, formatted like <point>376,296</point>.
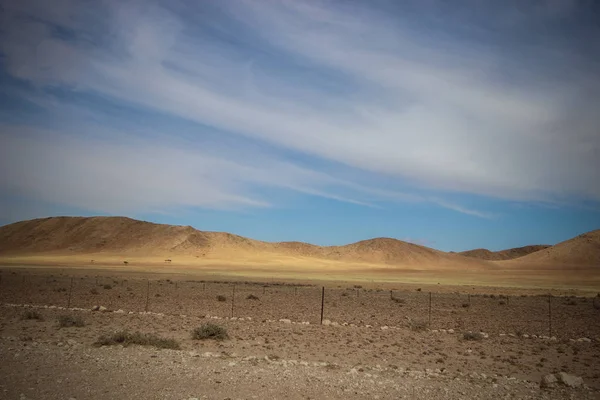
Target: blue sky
<point>455,125</point>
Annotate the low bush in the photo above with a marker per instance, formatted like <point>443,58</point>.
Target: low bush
<point>252,297</point>
<point>31,314</point>
<point>126,338</point>
<point>210,331</point>
<point>418,325</point>
<point>107,286</point>
<point>221,298</point>
<point>472,336</point>
<point>68,321</point>
<point>398,300</point>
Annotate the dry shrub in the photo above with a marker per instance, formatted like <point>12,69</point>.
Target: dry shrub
<point>68,321</point>
<point>126,338</point>
<point>210,331</point>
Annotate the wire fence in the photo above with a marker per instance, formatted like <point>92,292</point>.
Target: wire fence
<point>543,315</point>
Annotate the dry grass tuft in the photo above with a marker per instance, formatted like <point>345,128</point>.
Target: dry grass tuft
<point>472,336</point>
<point>68,321</point>
<point>126,338</point>
<point>32,314</point>
<point>210,331</point>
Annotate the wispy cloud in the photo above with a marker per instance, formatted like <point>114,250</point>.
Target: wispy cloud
<point>323,98</point>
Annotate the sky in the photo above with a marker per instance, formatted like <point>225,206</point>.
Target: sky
<point>454,125</point>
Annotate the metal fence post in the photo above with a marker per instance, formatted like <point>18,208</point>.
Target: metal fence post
<point>550,315</point>
<point>70,293</point>
<point>322,303</point>
<point>430,309</point>
<point>232,300</point>
<point>147,296</point>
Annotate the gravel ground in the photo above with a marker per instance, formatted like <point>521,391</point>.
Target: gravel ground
<point>276,359</point>
<point>370,347</point>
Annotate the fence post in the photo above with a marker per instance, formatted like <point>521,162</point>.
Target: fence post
<point>550,315</point>
<point>264,289</point>
<point>429,309</point>
<point>322,303</point>
<point>391,294</point>
<point>232,300</point>
<point>469,299</point>
<point>295,290</point>
<point>357,292</point>
<point>147,296</point>
<point>70,293</point>
<point>204,286</point>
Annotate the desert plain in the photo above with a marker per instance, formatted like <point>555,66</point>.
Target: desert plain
<point>380,318</point>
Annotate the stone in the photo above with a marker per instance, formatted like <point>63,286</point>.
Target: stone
<point>548,381</point>
<point>450,330</point>
<point>568,380</point>
<point>96,308</point>
<point>120,311</point>
<point>326,322</point>
<point>285,320</point>
<point>102,309</point>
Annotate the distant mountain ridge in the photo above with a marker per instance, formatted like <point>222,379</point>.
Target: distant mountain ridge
<point>121,235</point>
<point>508,254</point>
<point>129,237</point>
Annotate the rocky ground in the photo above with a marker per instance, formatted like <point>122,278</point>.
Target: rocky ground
<point>272,351</point>
<point>278,359</point>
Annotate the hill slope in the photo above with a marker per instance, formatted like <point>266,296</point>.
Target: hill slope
<point>581,250</point>
<point>508,254</point>
<point>125,236</point>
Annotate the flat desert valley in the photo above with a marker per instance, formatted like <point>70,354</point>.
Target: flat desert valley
<point>108,307</point>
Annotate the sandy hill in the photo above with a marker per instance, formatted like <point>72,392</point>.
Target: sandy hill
<point>582,250</point>
<point>508,254</point>
<point>113,234</point>
<point>125,236</point>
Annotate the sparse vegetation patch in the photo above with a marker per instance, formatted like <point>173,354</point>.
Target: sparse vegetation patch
<point>417,325</point>
<point>472,336</point>
<point>68,321</point>
<point>210,331</point>
<point>126,338</point>
<point>31,314</point>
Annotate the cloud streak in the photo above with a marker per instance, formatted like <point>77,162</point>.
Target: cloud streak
<point>327,91</point>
